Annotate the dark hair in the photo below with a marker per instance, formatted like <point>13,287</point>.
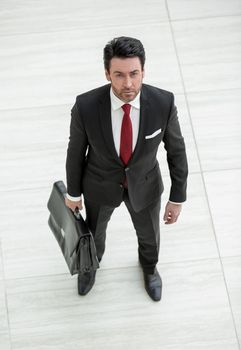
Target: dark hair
<point>123,47</point>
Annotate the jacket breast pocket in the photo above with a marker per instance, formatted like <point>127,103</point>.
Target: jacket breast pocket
<point>153,134</point>
<point>153,140</point>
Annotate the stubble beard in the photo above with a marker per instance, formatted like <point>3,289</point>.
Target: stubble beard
<point>123,96</point>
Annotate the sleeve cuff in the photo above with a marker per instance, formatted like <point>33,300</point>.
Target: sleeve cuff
<point>175,202</point>
<point>74,199</point>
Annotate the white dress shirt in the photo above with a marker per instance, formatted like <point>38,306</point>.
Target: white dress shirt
<point>117,114</point>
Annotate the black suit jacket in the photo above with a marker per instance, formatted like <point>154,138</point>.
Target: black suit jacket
<point>94,168</point>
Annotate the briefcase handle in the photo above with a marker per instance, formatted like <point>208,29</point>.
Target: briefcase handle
<point>77,213</point>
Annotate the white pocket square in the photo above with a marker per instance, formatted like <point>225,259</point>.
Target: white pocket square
<point>154,134</point>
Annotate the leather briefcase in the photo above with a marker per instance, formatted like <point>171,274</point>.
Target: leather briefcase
<point>71,232</point>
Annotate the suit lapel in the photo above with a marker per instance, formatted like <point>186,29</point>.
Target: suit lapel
<point>144,111</point>
<point>106,125</point>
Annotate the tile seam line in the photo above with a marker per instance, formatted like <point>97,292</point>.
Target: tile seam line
<point>202,174</point>
<point>202,18</point>
<point>71,103</point>
<point>125,267</point>
<point>5,295</point>
<point>73,29</point>
<point>77,29</point>
<point>210,91</point>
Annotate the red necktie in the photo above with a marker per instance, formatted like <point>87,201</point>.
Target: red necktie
<point>126,135</point>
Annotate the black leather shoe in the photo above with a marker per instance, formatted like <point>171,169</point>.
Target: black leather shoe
<point>86,281</point>
<point>153,285</point>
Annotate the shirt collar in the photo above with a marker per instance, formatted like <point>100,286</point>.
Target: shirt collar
<point>116,103</point>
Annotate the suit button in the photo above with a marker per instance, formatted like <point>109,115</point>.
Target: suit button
<point>121,186</point>
<point>127,169</point>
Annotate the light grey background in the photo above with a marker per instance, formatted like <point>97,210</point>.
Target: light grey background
<point>50,51</point>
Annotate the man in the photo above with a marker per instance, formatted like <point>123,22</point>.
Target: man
<point>115,132</point>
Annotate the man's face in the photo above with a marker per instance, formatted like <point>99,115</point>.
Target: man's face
<point>125,75</point>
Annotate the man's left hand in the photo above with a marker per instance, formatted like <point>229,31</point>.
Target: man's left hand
<point>172,211</point>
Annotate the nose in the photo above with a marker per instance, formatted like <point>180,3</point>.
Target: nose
<point>127,83</point>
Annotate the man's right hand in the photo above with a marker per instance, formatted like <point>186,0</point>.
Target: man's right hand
<point>73,204</point>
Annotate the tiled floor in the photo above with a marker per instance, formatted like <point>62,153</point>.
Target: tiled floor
<point>50,52</point>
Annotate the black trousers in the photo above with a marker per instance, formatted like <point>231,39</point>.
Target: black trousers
<point>146,223</point>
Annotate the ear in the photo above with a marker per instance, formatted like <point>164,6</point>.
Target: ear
<point>107,74</point>
<point>143,73</point>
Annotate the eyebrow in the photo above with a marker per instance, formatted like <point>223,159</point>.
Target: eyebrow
<point>133,71</point>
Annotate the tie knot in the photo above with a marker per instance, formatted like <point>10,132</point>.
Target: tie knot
<point>126,108</point>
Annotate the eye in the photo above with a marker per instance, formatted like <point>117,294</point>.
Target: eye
<point>118,75</point>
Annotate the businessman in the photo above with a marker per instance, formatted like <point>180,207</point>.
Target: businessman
<point>115,132</point>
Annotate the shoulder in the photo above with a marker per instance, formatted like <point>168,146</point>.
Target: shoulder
<point>156,92</point>
<point>93,96</point>
<point>157,97</point>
